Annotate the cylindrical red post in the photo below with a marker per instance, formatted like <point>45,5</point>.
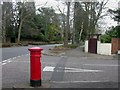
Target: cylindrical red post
<point>35,66</point>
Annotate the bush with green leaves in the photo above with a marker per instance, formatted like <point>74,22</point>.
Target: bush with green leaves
<point>105,39</point>
<point>114,32</point>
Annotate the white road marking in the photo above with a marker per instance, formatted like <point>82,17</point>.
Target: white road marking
<point>9,61</point>
<point>83,70</point>
<point>23,55</point>
<point>80,70</point>
<point>4,63</point>
<point>18,56</point>
<point>27,54</point>
<point>50,68</point>
<point>14,58</point>
<point>77,81</point>
<point>101,65</point>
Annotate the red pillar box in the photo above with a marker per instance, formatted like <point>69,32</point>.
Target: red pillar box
<point>35,66</point>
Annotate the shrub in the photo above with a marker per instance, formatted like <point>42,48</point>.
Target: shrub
<point>105,39</point>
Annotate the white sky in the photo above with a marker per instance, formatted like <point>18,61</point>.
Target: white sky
<point>112,4</point>
<point>53,3</point>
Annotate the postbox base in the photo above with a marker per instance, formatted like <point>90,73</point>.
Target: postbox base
<point>35,83</point>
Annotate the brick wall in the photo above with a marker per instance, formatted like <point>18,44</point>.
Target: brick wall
<point>115,45</point>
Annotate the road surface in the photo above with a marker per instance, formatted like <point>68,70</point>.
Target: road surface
<point>66,71</point>
<point>11,52</point>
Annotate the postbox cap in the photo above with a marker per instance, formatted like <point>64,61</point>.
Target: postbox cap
<point>35,49</point>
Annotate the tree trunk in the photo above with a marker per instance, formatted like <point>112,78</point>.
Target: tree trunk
<point>73,32</point>
<point>81,32</point>
<point>73,35</point>
<point>3,36</point>
<point>4,30</point>
<point>64,29</point>
<point>68,25</point>
<point>19,31</point>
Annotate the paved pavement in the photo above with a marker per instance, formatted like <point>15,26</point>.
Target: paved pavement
<point>72,69</point>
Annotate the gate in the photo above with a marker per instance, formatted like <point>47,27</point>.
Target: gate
<point>92,45</point>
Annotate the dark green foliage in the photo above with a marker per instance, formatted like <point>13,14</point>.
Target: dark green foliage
<point>105,39</point>
<point>114,32</point>
<point>41,26</point>
<point>7,21</point>
<point>48,22</point>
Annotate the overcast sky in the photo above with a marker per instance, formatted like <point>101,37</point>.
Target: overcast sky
<point>112,4</point>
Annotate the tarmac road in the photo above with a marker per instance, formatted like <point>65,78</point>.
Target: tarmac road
<point>12,52</point>
<point>66,71</point>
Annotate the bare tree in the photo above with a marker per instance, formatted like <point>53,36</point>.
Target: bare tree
<point>68,24</point>
<point>7,17</point>
<point>94,11</point>
<point>23,16</point>
<point>31,10</point>
<point>65,21</point>
<point>86,17</point>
